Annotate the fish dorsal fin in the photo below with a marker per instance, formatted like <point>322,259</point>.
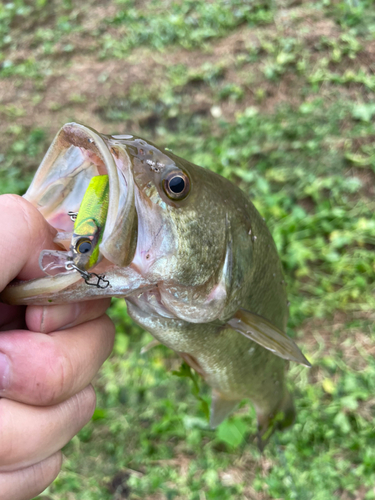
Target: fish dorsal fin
<point>264,333</point>
<point>220,408</point>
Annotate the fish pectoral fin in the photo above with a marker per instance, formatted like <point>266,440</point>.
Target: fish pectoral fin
<point>264,333</point>
<point>220,408</point>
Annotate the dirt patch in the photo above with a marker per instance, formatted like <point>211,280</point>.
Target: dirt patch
<point>244,471</point>
<point>367,178</point>
<point>79,86</point>
<point>119,486</point>
<point>76,84</point>
<point>307,23</point>
<point>336,337</point>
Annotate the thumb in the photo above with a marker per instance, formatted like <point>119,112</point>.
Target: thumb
<point>25,233</point>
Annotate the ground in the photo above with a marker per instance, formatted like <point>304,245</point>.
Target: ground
<point>278,96</point>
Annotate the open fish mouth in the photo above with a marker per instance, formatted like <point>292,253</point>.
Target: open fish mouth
<point>76,155</point>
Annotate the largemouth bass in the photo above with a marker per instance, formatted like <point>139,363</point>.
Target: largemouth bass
<point>187,250</point>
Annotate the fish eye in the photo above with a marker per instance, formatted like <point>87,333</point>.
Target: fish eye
<point>176,185</point>
<point>83,246</point>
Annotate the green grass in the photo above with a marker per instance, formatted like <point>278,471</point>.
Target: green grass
<point>189,24</point>
<point>17,166</point>
<point>287,115</point>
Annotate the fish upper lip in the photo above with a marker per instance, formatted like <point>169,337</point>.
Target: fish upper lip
<point>60,164</point>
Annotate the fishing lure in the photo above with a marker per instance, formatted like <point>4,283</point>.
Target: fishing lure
<point>89,224</point>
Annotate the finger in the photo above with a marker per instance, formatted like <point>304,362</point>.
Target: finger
<point>41,369</point>
<point>46,319</point>
<point>27,483</point>
<point>30,434</point>
<point>26,233</point>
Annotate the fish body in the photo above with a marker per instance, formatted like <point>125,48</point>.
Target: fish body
<point>190,254</point>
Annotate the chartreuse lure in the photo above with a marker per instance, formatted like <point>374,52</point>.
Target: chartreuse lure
<point>89,224</point>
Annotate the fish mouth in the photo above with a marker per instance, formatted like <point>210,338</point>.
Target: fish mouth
<point>76,155</point>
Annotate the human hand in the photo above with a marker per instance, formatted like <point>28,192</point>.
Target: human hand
<point>48,356</point>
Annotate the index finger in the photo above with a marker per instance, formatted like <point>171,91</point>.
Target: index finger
<point>24,233</point>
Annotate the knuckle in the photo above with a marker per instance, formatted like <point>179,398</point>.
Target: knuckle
<point>90,397</point>
<point>85,402</point>
<point>46,471</point>
<point>31,481</point>
<point>54,378</point>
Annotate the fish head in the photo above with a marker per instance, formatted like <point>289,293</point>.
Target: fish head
<point>167,220</point>
<point>181,234</point>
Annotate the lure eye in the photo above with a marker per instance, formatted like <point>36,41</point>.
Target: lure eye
<point>83,246</point>
<point>176,185</point>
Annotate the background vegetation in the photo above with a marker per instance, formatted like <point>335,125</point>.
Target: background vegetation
<point>278,96</point>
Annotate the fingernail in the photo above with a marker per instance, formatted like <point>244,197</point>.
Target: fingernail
<point>4,372</point>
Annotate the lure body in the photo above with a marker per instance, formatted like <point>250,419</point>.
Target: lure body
<point>90,222</point>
